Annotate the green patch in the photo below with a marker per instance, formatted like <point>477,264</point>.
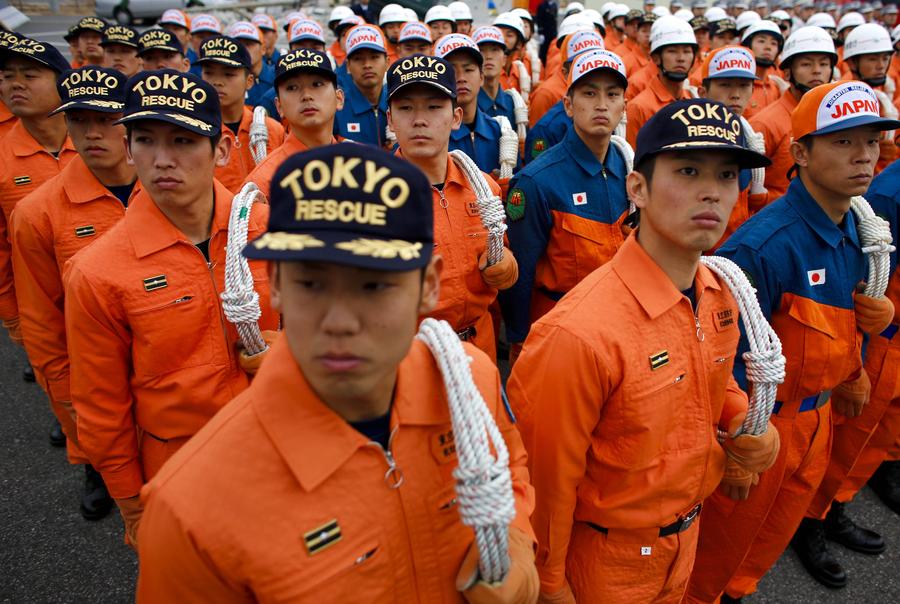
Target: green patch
<point>539,146</point>
<point>750,278</point>
<point>515,205</point>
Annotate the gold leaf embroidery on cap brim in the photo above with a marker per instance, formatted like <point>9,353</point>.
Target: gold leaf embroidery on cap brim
<point>181,118</point>
<point>286,241</point>
<point>379,248</point>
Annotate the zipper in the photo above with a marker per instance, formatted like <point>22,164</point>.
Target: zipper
<point>393,478</point>
<point>444,203</point>
<point>378,131</point>
<point>700,335</point>
<point>212,278</point>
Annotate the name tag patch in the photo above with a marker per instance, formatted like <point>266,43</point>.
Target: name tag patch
<point>443,446</point>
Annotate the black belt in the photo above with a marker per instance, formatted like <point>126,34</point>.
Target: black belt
<point>682,524</point>
<point>467,334</point>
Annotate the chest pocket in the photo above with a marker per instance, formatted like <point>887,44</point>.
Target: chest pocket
<point>450,535</point>
<point>591,243</point>
<point>175,333</point>
<point>78,234</point>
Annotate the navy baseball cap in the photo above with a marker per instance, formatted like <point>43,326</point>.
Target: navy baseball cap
<point>225,51</point>
<point>159,39</point>
<point>304,60</point>
<point>421,69</point>
<point>348,204</point>
<point>170,96</point>
<point>696,125</point>
<point>94,24</point>
<point>94,88</point>
<point>41,52</point>
<point>120,34</point>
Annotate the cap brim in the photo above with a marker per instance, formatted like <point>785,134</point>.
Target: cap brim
<point>440,87</point>
<point>733,73</point>
<point>184,121</point>
<point>221,61</point>
<point>882,123</point>
<point>622,79</point>
<point>341,247</point>
<point>91,105</point>
<point>366,45</point>
<point>143,51</point>
<point>746,158</point>
<point>119,42</point>
<point>319,70</point>
<point>205,30</point>
<point>424,39</point>
<point>8,52</point>
<point>304,38</point>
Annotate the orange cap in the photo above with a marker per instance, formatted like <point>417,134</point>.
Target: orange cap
<point>838,106</point>
<point>729,62</point>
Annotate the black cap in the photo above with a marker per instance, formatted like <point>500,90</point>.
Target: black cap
<point>698,23</point>
<point>225,51</point>
<point>94,88</point>
<point>94,24</point>
<point>722,25</point>
<point>696,125</point>
<point>304,60</point>
<point>8,38</point>
<point>178,98</point>
<point>349,204</point>
<point>159,39</point>
<point>42,52</point>
<point>120,34</point>
<point>422,69</point>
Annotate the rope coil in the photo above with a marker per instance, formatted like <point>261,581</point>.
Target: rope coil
<point>240,302</point>
<point>756,142</point>
<point>483,480</point>
<point>509,147</point>
<point>875,237</point>
<point>524,77</point>
<point>259,135</point>
<point>627,152</point>
<point>490,207</point>
<point>765,365</point>
<point>520,111</point>
<point>535,59</point>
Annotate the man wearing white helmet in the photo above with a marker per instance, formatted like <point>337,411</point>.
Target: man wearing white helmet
<point>441,22</point>
<point>573,8</point>
<point>336,51</point>
<point>552,91</point>
<point>764,39</point>
<point>391,20</point>
<point>847,24</point>
<point>493,100</point>
<point>761,8</point>
<point>462,16</point>
<point>746,19</point>
<point>699,7</point>
<point>673,49</point>
<point>638,43</point>
<point>783,20</point>
<point>516,65</point>
<point>570,25</point>
<point>615,33</point>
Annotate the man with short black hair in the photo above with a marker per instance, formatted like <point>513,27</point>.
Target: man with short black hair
<point>120,49</point>
<point>364,115</point>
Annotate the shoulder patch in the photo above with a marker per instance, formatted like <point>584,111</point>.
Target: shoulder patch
<point>515,204</point>
<point>539,146</point>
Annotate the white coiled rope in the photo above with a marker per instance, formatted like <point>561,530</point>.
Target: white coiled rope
<point>240,302</point>
<point>483,480</point>
<point>764,361</point>
<point>532,53</point>
<point>520,111</point>
<point>756,142</point>
<point>490,207</point>
<point>524,77</point>
<point>888,109</point>
<point>622,128</point>
<point>390,136</point>
<point>509,147</point>
<point>627,152</point>
<point>875,237</point>
<point>780,82</point>
<point>259,135</point>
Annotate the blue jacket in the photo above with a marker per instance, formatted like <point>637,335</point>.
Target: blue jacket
<point>192,57</point>
<point>359,121</point>
<point>564,213</point>
<point>268,102</point>
<point>264,83</point>
<point>482,143</point>
<point>884,197</point>
<point>548,131</point>
<point>502,105</point>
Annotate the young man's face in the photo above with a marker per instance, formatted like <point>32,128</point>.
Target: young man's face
<point>631,28</point>
<point>468,77</point>
<point>511,37</point>
<point>182,33</point>
<point>97,138</point>
<point>199,38</point>
<point>702,36</point>
<point>269,40</point>
<point>841,164</point>
<point>688,201</point>
<point>643,36</point>
<point>494,60</point>
<point>349,328</point>
<point>725,38</point>
<point>676,58</point>
<point>764,46</point>
<point>529,28</point>
<point>310,44</point>
<point>422,117</point>
<point>28,88</point>
<point>464,27</point>
<point>413,47</point>
<point>255,50</point>
<point>809,70</point>
<point>231,83</point>
<point>734,93</point>
<point>165,59</point>
<point>870,66</point>
<point>308,101</point>
<point>619,23</point>
<point>89,47</point>
<point>440,29</point>
<point>367,68</point>
<point>392,31</point>
<point>174,165</point>
<point>122,58</point>
<point>596,104</point>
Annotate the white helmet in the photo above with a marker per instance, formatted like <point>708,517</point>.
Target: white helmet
<point>746,19</point>
<point>851,19</point>
<point>895,34</point>
<point>595,16</point>
<point>510,21</point>
<point>411,16</point>
<point>571,24</point>
<point>715,13</point>
<point>523,14</point>
<point>605,8</point>
<point>460,11</point>
<point>762,26</point>
<point>392,13</point>
<point>661,11</point>
<point>685,14</point>
<point>438,13</point>
<point>574,7</point>
<point>619,10</point>
<point>806,40</point>
<point>867,39</point>
<point>823,20</point>
<point>339,13</point>
<point>781,15</point>
<point>670,30</point>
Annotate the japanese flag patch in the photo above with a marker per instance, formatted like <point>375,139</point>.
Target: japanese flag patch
<point>353,127</point>
<point>579,199</point>
<point>816,277</point>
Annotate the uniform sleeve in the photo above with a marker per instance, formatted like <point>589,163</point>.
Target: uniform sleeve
<point>557,416</point>
<point>39,285</point>
<point>635,119</point>
<point>100,358</point>
<point>173,566</point>
<point>9,309</point>
<point>276,133</point>
<point>528,237</point>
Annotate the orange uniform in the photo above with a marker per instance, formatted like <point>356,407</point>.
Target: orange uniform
<point>309,468</point>
<point>337,53</point>
<point>554,60</point>
<point>152,356</point>
<point>24,166</point>
<point>765,92</point>
<point>510,79</point>
<point>774,122</point>
<point>637,82</point>
<point>636,58</point>
<point>645,105</point>
<point>634,447</point>
<point>49,226</point>
<point>263,173</point>
<point>894,74</point>
<point>549,93</point>
<point>241,163</point>
<point>613,39</point>
<point>7,119</point>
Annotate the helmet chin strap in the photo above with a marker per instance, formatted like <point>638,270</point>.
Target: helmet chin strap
<point>675,76</point>
<point>765,62</point>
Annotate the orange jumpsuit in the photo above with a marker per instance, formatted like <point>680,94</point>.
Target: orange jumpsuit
<point>765,92</point>
<point>510,79</point>
<point>7,119</point>
<point>553,62</point>
<point>241,163</point>
<point>337,52</point>
<point>49,226</point>
<point>263,173</point>
<point>636,59</point>
<point>550,92</point>
<point>645,105</point>
<point>618,402</point>
<point>639,81</point>
<point>894,74</point>
<point>24,166</point>
<point>612,40</point>
<point>152,357</point>
<point>309,468</point>
<point>774,122</point>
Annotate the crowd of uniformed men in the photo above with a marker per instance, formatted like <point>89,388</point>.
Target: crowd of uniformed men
<point>321,469</point>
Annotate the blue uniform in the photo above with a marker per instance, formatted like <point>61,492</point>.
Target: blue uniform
<point>192,59</point>
<point>502,105</point>
<point>884,197</point>
<point>481,142</point>
<point>268,102</point>
<point>548,131</point>
<point>273,60</point>
<point>344,80</point>
<point>565,211</point>
<point>265,81</point>
<point>359,121</point>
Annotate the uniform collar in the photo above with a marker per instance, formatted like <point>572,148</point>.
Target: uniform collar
<point>150,230</point>
<point>315,441</point>
<point>583,156</point>
<point>647,282</point>
<point>80,183</point>
<point>660,91</point>
<point>481,128</point>
<point>360,104</point>
<point>25,145</point>
<point>814,216</point>
<point>243,125</point>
